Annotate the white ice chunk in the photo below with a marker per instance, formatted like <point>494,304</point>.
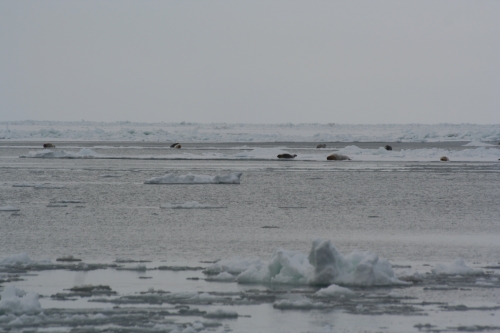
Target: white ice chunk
<point>324,266</point>
<point>335,291</point>
<point>16,259</point>
<point>9,209</point>
<point>458,267</point>
<point>17,301</point>
<point>170,178</point>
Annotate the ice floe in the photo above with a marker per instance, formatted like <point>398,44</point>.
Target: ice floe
<point>17,301</point>
<point>221,132</point>
<point>170,178</point>
<point>457,267</point>
<point>335,291</point>
<point>325,265</point>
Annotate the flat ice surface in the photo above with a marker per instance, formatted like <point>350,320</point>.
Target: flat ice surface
<point>419,215</point>
<point>53,131</point>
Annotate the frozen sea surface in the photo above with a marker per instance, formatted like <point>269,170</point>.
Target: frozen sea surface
<point>437,224</point>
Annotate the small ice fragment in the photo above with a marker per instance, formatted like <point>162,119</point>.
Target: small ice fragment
<point>458,267</point>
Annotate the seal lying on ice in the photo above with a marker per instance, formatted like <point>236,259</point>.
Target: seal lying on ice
<point>48,145</point>
<point>287,156</point>
<point>387,147</point>
<point>445,159</point>
<point>175,145</point>
<point>338,157</point>
<point>321,146</point>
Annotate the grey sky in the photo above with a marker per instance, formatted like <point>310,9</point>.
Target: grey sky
<point>251,61</point>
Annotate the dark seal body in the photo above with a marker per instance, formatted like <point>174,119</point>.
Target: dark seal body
<point>48,145</point>
<point>445,159</point>
<point>387,147</point>
<point>287,156</point>
<point>321,146</point>
<point>338,157</point>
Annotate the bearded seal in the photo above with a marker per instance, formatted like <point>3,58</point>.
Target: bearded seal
<point>287,156</point>
<point>387,147</point>
<point>48,145</point>
<point>175,145</point>
<point>338,157</point>
<point>321,146</point>
<point>445,159</point>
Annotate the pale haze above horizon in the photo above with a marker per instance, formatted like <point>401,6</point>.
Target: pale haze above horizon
<point>354,62</point>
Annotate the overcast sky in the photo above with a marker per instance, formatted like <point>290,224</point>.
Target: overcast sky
<point>251,61</point>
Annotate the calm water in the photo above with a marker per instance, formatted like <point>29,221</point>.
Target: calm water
<point>414,214</point>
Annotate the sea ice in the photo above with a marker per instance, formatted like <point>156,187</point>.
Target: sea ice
<point>335,291</point>
<point>16,260</point>
<point>170,178</point>
<point>324,266</point>
<point>458,267</point>
<point>19,302</point>
<point>47,153</point>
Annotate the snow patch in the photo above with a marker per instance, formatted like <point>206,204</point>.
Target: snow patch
<point>335,291</point>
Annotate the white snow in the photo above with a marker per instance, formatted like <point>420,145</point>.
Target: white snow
<point>324,266</point>
<point>9,209</point>
<point>186,205</point>
<point>170,178</point>
<point>457,267</point>
<point>19,302</point>
<point>54,131</point>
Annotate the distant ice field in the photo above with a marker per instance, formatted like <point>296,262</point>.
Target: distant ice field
<point>305,245</point>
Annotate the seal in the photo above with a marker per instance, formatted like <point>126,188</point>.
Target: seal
<point>387,147</point>
<point>287,156</point>
<point>445,159</point>
<point>338,157</point>
<point>321,146</point>
<point>48,145</point>
<point>175,145</point>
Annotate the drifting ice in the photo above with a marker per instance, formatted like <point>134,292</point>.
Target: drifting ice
<point>324,266</point>
<point>17,301</point>
<point>170,178</point>
<point>458,267</point>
